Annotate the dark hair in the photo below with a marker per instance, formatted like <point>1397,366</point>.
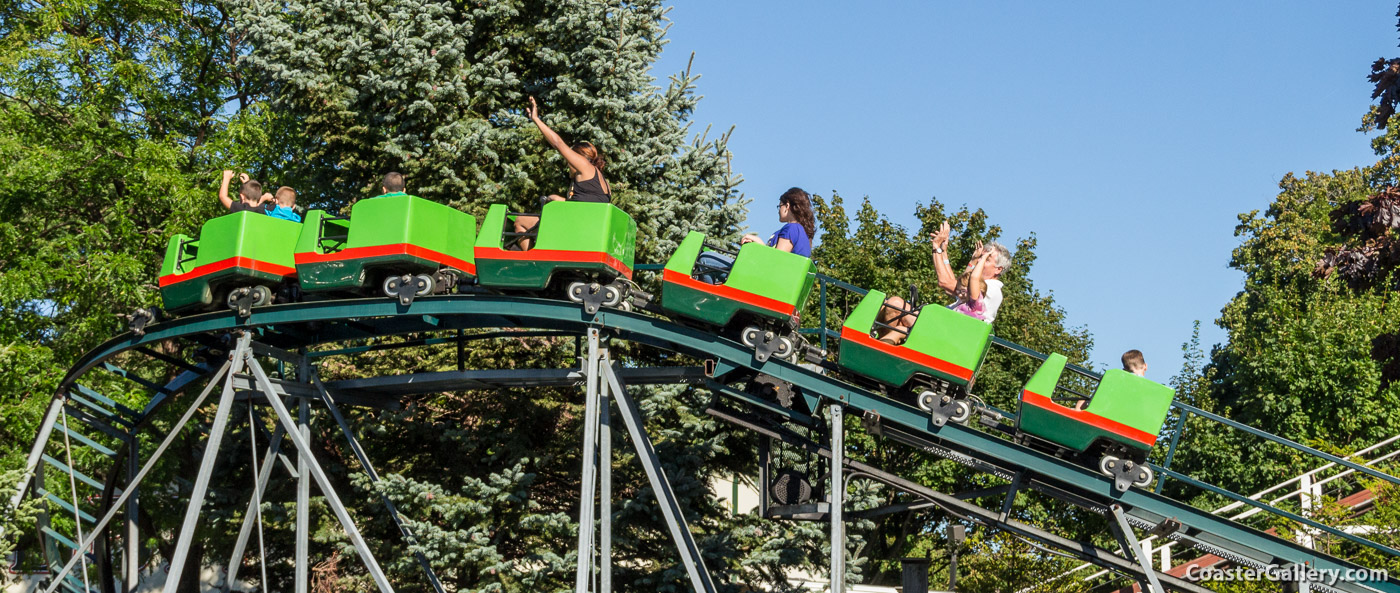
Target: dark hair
<point>392,182</point>
<point>590,152</point>
<point>1133,358</point>
<point>251,191</point>
<point>801,204</point>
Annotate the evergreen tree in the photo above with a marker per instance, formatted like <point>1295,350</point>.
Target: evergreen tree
<point>436,90</point>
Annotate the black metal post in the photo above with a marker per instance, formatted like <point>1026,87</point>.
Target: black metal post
<point>956,534</point>
<point>915,575</point>
<point>764,459</point>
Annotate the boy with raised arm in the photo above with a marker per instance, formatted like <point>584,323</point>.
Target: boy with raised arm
<point>250,196</point>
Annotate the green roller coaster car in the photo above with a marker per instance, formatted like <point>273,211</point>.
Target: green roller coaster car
<point>936,363</point>
<point>238,258</point>
<point>406,245</point>
<point>763,293</point>
<point>586,248</point>
<point>1119,426</point>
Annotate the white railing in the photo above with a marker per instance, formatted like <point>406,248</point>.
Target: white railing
<point>1308,491</point>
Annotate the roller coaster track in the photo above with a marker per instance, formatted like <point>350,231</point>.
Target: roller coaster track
<point>80,416</point>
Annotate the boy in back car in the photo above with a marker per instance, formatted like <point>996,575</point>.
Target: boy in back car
<point>249,195</point>
<point>284,204</point>
<point>1134,363</point>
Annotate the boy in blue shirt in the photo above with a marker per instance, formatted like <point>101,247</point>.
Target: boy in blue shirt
<point>283,205</point>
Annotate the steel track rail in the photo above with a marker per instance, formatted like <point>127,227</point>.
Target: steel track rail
<point>305,325</point>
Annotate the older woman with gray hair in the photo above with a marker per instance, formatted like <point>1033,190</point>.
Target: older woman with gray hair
<point>989,261</point>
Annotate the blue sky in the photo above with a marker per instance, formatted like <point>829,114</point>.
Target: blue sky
<point>1127,136</point>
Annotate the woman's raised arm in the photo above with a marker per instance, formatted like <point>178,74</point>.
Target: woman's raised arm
<point>575,159</point>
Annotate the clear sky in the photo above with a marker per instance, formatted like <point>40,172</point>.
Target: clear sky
<point>1127,136</point>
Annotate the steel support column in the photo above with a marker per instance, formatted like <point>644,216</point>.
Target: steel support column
<point>837,500</point>
<point>36,452</point>
<point>670,507</point>
<point>206,469</point>
<point>131,574</point>
<point>57,580</point>
<point>303,512</point>
<point>1124,530</point>
<point>235,562</point>
<point>322,481</point>
<point>51,556</point>
<point>73,490</point>
<point>605,504</point>
<point>583,577</point>
<point>34,473</point>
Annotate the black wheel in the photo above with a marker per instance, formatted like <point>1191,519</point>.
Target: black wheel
<point>962,411</point>
<point>262,296</point>
<point>576,290</point>
<point>425,285</point>
<point>927,401</point>
<point>612,296</point>
<point>790,487</point>
<point>752,336</point>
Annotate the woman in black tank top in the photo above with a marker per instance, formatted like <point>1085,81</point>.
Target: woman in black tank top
<point>586,180</point>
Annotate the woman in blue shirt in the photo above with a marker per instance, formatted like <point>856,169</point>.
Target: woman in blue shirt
<point>800,225</point>
<point>795,236</point>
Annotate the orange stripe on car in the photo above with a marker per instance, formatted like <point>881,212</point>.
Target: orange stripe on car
<point>237,261</point>
<point>729,292</point>
<point>559,255</point>
<point>1085,417</point>
<point>383,250</point>
<point>908,354</point>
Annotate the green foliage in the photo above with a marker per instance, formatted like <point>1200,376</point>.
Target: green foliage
<point>20,523</point>
<point>436,90</point>
<point>115,118</point>
<point>104,109</point>
<point>468,533</point>
<point>1298,361</point>
<point>114,121</point>
<point>1306,347</point>
<point>1383,516</point>
<point>870,251</point>
<point>997,562</point>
